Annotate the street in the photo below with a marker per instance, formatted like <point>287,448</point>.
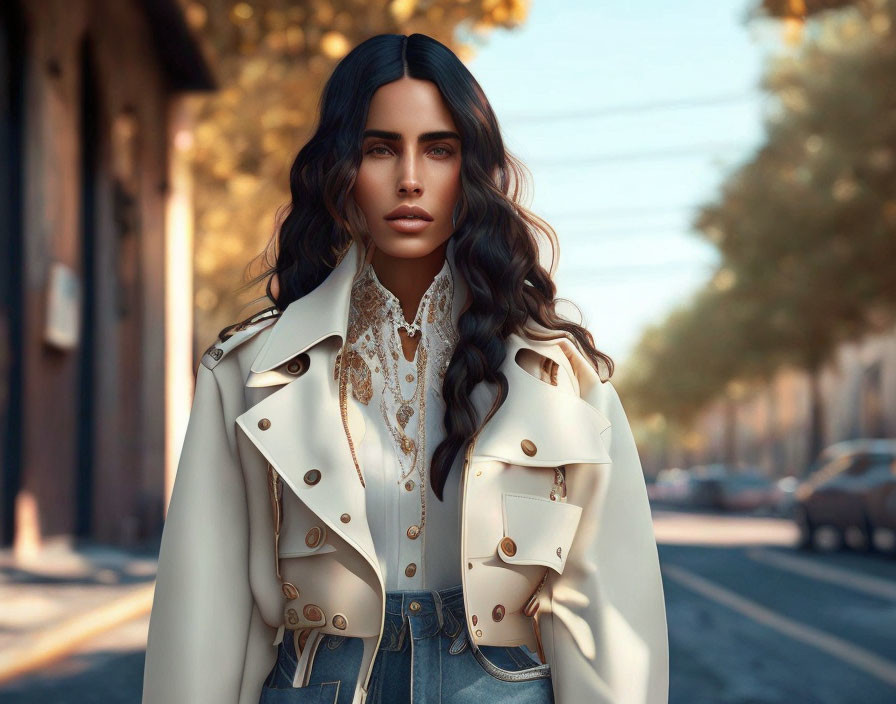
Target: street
<point>750,618</point>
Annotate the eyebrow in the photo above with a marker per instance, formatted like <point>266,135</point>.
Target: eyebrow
<point>425,137</point>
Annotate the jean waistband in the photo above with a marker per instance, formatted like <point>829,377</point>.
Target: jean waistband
<point>419,602</point>
<point>432,612</point>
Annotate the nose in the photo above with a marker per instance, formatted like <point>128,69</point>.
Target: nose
<point>409,184</point>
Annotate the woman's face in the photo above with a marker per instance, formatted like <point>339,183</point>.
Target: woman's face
<point>410,156</point>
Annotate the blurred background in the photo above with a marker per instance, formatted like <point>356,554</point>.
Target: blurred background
<point>722,179</point>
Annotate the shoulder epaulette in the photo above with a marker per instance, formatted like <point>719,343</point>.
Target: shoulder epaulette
<point>216,352</point>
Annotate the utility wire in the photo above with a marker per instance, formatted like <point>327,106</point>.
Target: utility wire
<point>686,152</point>
<point>633,108</point>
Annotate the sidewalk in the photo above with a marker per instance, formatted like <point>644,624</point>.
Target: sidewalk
<point>66,595</point>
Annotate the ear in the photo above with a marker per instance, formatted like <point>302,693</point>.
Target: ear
<point>275,286</point>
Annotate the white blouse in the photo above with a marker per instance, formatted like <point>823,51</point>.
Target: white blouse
<point>416,536</point>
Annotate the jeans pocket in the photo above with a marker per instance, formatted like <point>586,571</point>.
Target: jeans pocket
<point>509,664</point>
<point>324,693</point>
<point>334,642</point>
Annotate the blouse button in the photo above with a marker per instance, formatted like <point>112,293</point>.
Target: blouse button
<point>413,532</point>
<point>410,570</point>
<point>409,485</point>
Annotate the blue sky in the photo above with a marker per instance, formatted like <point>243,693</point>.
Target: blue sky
<point>628,115</point>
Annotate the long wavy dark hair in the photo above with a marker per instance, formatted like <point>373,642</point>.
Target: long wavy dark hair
<point>495,237</point>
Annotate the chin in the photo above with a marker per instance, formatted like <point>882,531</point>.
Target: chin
<point>410,246</point>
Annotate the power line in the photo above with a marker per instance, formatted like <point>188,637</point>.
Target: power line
<point>581,232</point>
<point>643,268</point>
<point>576,278</point>
<point>633,108</point>
<point>626,210</point>
<point>687,152</point>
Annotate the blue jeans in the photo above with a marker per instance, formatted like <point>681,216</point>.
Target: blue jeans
<point>424,658</point>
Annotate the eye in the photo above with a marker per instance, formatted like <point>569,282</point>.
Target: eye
<point>447,151</point>
<point>374,148</point>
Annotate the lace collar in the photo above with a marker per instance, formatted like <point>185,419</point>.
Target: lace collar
<point>375,318</point>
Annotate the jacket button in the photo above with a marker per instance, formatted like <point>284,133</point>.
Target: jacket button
<point>292,616</point>
<point>498,612</point>
<point>312,612</point>
<point>409,485</point>
<point>345,518</point>
<point>290,591</point>
<point>312,477</point>
<point>508,547</point>
<point>528,447</point>
<point>339,622</point>
<point>313,537</point>
<point>264,424</point>
<point>293,367</point>
<point>410,570</point>
<point>413,532</point>
<point>478,633</point>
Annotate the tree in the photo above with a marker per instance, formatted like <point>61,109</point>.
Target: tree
<point>806,227</point>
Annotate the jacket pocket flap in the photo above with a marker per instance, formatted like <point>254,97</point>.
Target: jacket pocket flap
<point>540,425</point>
<point>540,531</point>
<point>312,542</point>
<point>302,533</point>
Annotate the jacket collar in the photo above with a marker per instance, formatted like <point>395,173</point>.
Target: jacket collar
<point>324,312</point>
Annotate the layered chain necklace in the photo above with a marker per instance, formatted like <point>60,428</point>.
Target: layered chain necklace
<point>375,318</point>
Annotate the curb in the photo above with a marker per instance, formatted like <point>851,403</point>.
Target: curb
<point>50,644</point>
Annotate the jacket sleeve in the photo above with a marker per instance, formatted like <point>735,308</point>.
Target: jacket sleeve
<point>607,639</point>
<point>202,606</point>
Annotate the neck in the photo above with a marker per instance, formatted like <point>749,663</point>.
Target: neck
<point>408,279</point>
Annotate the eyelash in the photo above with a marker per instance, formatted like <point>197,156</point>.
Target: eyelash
<point>448,150</point>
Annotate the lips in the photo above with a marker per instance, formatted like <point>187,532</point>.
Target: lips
<point>410,212</point>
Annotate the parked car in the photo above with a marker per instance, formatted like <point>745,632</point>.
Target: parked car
<point>783,499</point>
<point>705,488</point>
<point>725,488</point>
<point>747,490</point>
<point>849,498</point>
<point>671,485</point>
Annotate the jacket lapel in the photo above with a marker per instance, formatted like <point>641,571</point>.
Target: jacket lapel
<point>561,427</point>
<point>299,426</point>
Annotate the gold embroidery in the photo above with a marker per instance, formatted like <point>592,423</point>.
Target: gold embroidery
<point>375,319</point>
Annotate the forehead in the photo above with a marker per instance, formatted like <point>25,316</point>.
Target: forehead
<point>409,106</point>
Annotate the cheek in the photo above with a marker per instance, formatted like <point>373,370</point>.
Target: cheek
<point>365,188</point>
<point>451,186</point>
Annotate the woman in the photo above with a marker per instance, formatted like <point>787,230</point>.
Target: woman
<point>406,481</point>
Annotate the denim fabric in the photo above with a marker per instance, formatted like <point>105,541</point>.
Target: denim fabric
<point>424,658</point>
